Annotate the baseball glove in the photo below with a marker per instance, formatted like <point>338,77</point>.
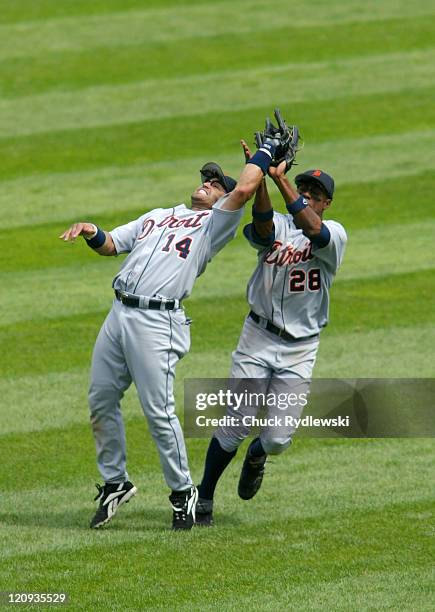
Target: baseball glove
<point>286,139</point>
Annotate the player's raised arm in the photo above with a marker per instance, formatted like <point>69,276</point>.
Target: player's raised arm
<point>252,175</point>
<point>262,211</point>
<point>307,210</point>
<point>307,203</point>
<point>99,240</point>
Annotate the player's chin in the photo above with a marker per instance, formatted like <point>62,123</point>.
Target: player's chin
<point>202,199</point>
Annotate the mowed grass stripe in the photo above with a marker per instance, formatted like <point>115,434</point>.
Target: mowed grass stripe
<point>53,290</point>
<point>358,206</point>
<point>337,522</point>
<point>146,520</point>
<point>75,445</point>
<point>352,302</point>
<point>316,579</point>
<point>146,141</point>
<point>356,305</point>
<point>396,588</point>
<point>88,195</point>
<point>390,352</point>
<point>69,70</point>
<point>59,399</point>
<point>52,400</point>
<point>160,25</point>
<point>306,469</point>
<point>57,345</point>
<point>411,249</point>
<point>320,583</point>
<point>405,248</point>
<point>44,243</point>
<point>28,10</point>
<point>216,91</point>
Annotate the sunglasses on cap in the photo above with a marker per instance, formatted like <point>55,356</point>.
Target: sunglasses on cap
<point>209,178</point>
<point>213,172</point>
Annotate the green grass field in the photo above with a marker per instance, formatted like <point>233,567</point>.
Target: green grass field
<point>109,108</point>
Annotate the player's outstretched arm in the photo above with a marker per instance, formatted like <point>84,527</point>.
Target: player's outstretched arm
<point>96,238</point>
<point>262,211</point>
<point>251,176</point>
<point>306,219</point>
<point>247,185</point>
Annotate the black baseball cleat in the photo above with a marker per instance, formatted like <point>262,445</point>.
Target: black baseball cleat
<point>204,513</point>
<point>251,475</point>
<point>111,496</point>
<point>183,506</point>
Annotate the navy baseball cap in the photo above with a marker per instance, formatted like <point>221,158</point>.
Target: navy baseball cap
<point>211,170</point>
<point>326,181</point>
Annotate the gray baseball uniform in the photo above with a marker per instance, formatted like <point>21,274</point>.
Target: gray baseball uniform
<point>289,289</point>
<point>168,249</point>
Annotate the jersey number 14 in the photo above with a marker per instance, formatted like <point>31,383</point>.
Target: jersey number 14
<point>182,246</point>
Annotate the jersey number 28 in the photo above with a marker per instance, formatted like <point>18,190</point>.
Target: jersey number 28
<point>299,280</point>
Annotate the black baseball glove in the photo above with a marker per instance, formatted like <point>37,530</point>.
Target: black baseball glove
<point>285,138</point>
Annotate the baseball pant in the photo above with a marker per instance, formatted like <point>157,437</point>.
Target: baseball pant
<point>264,356</point>
<point>142,346</point>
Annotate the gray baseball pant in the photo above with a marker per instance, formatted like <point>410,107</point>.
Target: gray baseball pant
<point>142,346</point>
<point>263,355</point>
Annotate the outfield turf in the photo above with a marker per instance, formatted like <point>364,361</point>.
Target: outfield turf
<point>109,108</point>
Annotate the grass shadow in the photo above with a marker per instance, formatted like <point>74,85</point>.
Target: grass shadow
<point>79,519</point>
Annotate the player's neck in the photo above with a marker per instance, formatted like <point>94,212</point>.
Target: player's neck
<point>199,207</point>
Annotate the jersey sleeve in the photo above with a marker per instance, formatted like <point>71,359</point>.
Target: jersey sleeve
<point>124,236</point>
<point>255,241</point>
<point>222,226</point>
<point>333,252</point>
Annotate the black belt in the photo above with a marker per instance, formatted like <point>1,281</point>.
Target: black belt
<point>135,301</point>
<point>273,329</point>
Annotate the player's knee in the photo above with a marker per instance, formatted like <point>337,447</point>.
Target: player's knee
<point>162,427</point>
<point>275,446</point>
<point>229,443</point>
<point>101,398</point>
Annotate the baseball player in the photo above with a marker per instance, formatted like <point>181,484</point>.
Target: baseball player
<point>146,331</point>
<point>288,296</point>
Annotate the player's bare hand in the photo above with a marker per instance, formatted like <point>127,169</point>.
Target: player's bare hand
<point>276,172</point>
<point>246,150</point>
<point>87,230</point>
